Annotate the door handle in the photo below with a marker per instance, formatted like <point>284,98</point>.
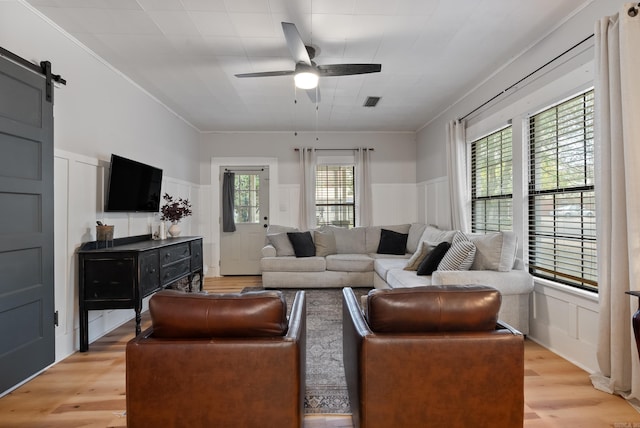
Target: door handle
<point>265,225</point>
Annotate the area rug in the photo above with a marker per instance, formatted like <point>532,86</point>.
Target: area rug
<point>326,387</point>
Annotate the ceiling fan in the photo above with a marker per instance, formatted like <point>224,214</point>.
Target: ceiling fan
<point>307,72</point>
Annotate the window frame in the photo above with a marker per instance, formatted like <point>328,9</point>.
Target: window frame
<point>500,196</point>
<point>252,194</point>
<point>337,162</point>
<point>558,229</point>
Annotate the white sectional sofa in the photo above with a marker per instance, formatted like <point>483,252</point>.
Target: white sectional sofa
<point>351,257</point>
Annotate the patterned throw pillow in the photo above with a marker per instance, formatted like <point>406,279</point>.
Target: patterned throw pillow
<point>461,254</point>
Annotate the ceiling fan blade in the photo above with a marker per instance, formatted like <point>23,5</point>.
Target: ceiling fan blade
<point>267,74</point>
<point>348,69</point>
<point>295,44</point>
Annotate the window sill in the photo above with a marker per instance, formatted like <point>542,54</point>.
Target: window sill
<point>567,289</point>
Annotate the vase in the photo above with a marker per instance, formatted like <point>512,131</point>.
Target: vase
<point>174,229</point>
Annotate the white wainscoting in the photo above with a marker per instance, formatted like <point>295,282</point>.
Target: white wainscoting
<point>565,320</point>
<point>433,202</point>
<point>79,184</point>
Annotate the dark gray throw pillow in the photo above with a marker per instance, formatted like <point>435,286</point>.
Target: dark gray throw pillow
<point>392,242</point>
<point>431,262</point>
<point>302,243</point>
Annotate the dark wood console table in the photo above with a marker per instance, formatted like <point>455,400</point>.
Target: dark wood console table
<point>636,320</point>
<point>121,275</point>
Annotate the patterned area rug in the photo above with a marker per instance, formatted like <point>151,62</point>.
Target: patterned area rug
<point>326,384</point>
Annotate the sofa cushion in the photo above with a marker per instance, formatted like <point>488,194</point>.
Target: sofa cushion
<point>415,233</point>
<point>383,265</point>
<point>434,309</point>
<point>400,278</point>
<point>431,262</point>
<point>373,233</point>
<point>349,263</point>
<point>302,243</point>
<point>461,254</point>
<point>495,251</point>
<point>392,242</point>
<point>348,241</point>
<point>416,259</point>
<point>325,243</point>
<point>176,314</point>
<point>293,264</point>
<point>434,236</point>
<point>281,243</point>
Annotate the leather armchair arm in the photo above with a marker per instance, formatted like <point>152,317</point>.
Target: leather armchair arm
<point>354,330</point>
<point>298,317</point>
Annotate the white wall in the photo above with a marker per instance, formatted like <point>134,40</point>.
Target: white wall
<point>564,319</point>
<point>97,113</point>
<point>78,202</point>
<point>393,173</point>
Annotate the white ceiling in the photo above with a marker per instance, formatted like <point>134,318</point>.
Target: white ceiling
<point>186,52</point>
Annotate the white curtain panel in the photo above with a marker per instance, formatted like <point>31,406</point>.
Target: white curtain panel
<point>457,172</point>
<point>617,156</point>
<point>363,187</point>
<point>307,162</point>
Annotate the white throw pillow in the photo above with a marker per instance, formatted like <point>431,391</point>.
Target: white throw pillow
<point>461,254</point>
<point>325,243</point>
<point>495,251</point>
<point>434,236</point>
<point>282,244</point>
<point>414,261</point>
<point>415,233</point>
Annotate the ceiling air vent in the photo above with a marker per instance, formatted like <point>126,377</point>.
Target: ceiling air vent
<point>371,101</point>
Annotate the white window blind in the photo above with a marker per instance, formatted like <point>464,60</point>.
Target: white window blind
<point>562,226</point>
<point>335,191</point>
<point>492,182</point>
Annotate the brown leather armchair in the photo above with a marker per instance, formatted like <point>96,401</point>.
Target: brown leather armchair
<point>432,357</point>
<point>218,360</point>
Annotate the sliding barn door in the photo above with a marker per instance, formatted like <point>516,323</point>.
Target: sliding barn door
<point>26,225</point>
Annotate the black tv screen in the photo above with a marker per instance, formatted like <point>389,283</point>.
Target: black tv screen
<point>133,186</point>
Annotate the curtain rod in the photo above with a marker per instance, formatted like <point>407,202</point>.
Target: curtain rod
<point>526,77</point>
<point>243,169</point>
<point>367,148</point>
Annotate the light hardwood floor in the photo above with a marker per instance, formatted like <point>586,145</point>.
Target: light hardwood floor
<point>88,389</point>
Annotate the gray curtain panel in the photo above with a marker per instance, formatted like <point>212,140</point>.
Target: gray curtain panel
<point>228,196</point>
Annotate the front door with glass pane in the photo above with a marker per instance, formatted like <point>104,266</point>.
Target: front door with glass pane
<point>240,251</point>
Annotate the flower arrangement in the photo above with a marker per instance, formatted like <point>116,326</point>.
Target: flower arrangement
<point>175,210</point>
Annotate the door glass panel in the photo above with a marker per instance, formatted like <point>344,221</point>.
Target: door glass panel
<point>247,198</point>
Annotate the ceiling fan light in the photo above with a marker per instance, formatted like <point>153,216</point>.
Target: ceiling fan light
<point>306,79</point>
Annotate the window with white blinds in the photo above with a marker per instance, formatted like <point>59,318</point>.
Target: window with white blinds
<point>335,189</point>
<point>562,225</point>
<point>492,182</point>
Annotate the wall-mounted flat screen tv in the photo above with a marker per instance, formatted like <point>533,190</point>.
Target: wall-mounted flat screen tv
<point>133,186</point>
